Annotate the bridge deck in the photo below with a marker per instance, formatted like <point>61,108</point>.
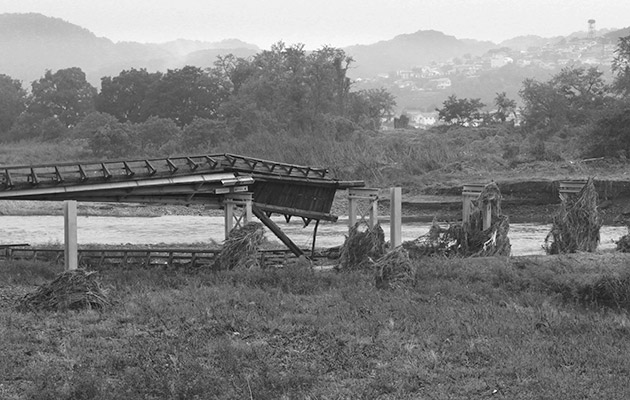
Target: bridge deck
<point>280,188</point>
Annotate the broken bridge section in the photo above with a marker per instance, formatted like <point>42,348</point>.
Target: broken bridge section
<point>212,180</point>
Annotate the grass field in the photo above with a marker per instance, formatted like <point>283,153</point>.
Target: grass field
<point>553,327</point>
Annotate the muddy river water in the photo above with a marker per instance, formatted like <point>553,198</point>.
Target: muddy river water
<point>45,230</point>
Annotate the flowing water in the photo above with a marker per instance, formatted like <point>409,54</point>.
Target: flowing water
<point>526,239</point>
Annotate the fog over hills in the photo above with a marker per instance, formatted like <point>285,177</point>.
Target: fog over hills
<point>32,43</point>
<point>408,50</point>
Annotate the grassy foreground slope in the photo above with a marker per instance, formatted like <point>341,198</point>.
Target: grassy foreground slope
<point>512,328</point>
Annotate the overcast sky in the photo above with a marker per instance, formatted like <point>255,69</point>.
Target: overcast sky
<point>315,23</point>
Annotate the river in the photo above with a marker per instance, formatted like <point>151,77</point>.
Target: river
<point>526,239</point>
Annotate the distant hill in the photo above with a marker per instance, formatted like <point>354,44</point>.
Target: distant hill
<point>527,41</point>
<point>32,43</point>
<point>410,50</point>
<point>615,35</point>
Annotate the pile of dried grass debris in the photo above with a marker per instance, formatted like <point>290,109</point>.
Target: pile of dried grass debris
<point>362,247</point>
<point>576,225</point>
<point>468,239</point>
<point>394,270</point>
<point>241,248</point>
<point>71,290</point>
<point>623,244</point>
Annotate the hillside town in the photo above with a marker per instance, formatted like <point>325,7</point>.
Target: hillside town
<point>439,79</point>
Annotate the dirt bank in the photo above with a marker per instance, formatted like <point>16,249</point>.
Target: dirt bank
<point>533,201</point>
<point>523,201</point>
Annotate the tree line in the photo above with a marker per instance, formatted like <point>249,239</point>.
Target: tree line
<point>577,101</point>
<point>284,91</point>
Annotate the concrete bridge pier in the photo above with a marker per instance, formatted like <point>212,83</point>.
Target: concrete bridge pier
<point>234,219</point>
<point>71,255</point>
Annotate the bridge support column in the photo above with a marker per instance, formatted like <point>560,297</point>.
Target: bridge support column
<point>234,219</point>
<point>395,216</point>
<point>354,196</point>
<point>70,253</point>
<point>470,192</point>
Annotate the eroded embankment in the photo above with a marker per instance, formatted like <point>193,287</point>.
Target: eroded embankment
<point>523,201</point>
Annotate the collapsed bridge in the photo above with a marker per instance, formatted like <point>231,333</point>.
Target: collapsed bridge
<point>219,181</point>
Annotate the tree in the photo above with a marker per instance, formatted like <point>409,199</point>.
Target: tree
<point>584,91</point>
<point>460,111</point>
<point>505,107</point>
<point>203,134</point>
<point>544,106</point>
<point>286,89</point>
<point>113,141</point>
<point>611,133</point>
<point>621,67</point>
<point>155,132</point>
<point>574,96</point>
<point>368,108</point>
<point>401,122</point>
<point>92,123</point>
<point>125,96</point>
<point>184,94</point>
<point>64,95</point>
<point>12,102</point>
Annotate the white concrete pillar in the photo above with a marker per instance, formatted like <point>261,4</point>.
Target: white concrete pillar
<point>249,215</point>
<point>352,210</point>
<point>229,217</point>
<point>366,194</point>
<point>470,192</point>
<point>71,252</point>
<point>373,213</point>
<point>395,216</point>
<point>233,219</point>
<point>486,215</point>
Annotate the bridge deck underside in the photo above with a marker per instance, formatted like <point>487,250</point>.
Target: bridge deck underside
<point>277,188</point>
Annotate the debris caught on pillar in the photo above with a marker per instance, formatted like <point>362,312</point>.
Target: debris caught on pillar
<point>241,248</point>
<point>362,246</point>
<point>469,238</point>
<point>576,225</point>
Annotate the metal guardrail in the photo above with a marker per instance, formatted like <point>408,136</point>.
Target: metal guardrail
<point>165,257</point>
<point>75,173</point>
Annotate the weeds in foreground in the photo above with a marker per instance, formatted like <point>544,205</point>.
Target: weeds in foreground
<point>465,329</point>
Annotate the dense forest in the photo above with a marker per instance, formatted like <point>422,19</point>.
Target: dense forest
<point>291,105</point>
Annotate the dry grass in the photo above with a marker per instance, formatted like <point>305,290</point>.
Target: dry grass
<point>518,328</point>
<point>362,246</point>
<point>394,270</point>
<point>240,249</point>
<point>70,290</point>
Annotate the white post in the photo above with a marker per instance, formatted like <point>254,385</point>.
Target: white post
<point>373,213</point>
<point>352,210</point>
<point>249,215</point>
<point>395,216</point>
<point>71,255</point>
<point>486,214</point>
<point>229,217</point>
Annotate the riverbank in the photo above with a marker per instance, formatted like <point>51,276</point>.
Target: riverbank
<point>29,208</point>
<point>524,201</point>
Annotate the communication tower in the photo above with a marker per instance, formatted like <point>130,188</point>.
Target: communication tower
<point>591,28</point>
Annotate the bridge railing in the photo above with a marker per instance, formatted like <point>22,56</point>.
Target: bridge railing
<point>16,177</point>
<point>122,257</point>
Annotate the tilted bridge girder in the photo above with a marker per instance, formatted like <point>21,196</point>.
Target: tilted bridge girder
<point>277,188</point>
